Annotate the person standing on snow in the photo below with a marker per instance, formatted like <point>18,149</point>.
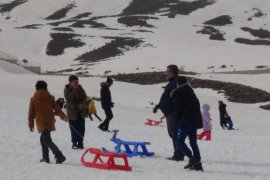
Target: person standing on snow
<point>106,103</point>
<point>166,106</point>
<point>42,108</point>
<point>188,113</point>
<point>222,113</point>
<point>76,111</point>
<point>207,127</point>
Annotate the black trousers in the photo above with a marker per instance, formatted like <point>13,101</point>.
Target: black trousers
<point>109,116</point>
<point>47,143</point>
<point>77,130</point>
<point>172,127</point>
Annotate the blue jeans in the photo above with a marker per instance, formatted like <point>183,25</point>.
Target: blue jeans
<point>189,131</point>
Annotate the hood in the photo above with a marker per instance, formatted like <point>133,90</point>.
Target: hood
<point>206,107</point>
<point>104,84</point>
<point>179,87</point>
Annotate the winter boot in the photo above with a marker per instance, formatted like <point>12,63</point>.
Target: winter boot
<point>102,127</point>
<point>190,163</point>
<point>197,166</point>
<point>45,159</point>
<point>176,157</point>
<point>80,145</point>
<point>60,158</point>
<point>75,146</point>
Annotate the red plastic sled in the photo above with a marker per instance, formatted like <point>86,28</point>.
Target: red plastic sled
<point>151,122</point>
<point>99,162</point>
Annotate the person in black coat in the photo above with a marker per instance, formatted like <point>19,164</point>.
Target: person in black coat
<point>188,112</point>
<point>166,106</point>
<point>222,113</point>
<point>106,103</point>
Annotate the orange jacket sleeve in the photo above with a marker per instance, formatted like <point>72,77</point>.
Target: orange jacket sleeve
<point>31,114</point>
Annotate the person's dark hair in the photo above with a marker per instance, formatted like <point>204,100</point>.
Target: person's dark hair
<point>181,80</point>
<point>173,68</point>
<point>41,85</point>
<point>109,80</point>
<point>73,78</point>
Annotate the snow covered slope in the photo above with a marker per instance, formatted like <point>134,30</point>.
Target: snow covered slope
<point>154,34</point>
<point>230,155</point>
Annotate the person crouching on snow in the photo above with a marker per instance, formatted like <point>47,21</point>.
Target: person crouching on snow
<point>229,123</point>
<point>207,127</point>
<point>42,108</point>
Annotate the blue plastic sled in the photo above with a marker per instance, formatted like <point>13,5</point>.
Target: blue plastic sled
<point>139,148</point>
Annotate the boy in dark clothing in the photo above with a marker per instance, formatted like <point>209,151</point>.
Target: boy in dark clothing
<point>76,111</point>
<point>222,113</point>
<point>42,108</point>
<point>166,106</point>
<point>106,103</point>
<point>188,112</point>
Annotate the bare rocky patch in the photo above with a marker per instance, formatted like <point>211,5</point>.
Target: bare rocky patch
<point>116,47</point>
<point>257,13</point>
<point>136,21</point>
<point>8,7</point>
<point>61,13</point>
<point>220,21</point>
<point>32,26</point>
<point>256,42</point>
<point>61,41</point>
<point>259,33</point>
<point>66,29</point>
<point>173,7</point>
<point>266,107</point>
<point>214,33</point>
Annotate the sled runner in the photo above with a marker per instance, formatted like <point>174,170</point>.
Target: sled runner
<point>151,122</point>
<point>131,149</point>
<point>105,160</point>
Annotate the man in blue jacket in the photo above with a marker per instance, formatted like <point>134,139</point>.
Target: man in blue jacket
<point>167,108</point>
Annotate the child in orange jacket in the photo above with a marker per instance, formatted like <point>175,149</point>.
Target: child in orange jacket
<point>43,108</point>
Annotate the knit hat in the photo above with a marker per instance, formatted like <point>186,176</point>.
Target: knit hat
<point>41,85</point>
<point>73,78</point>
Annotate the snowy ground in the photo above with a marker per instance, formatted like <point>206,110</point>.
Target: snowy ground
<point>237,155</point>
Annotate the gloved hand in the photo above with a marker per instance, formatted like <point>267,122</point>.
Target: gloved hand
<point>112,105</point>
<point>31,129</point>
<point>155,109</point>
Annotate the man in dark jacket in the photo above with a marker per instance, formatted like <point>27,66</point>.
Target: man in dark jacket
<point>106,103</point>
<point>222,113</point>
<point>166,106</point>
<point>76,108</point>
<point>188,112</point>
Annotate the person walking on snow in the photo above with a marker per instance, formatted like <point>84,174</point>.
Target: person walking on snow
<point>76,111</point>
<point>188,113</point>
<point>106,103</point>
<point>42,108</point>
<point>207,127</point>
<point>222,113</point>
<point>166,106</point>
